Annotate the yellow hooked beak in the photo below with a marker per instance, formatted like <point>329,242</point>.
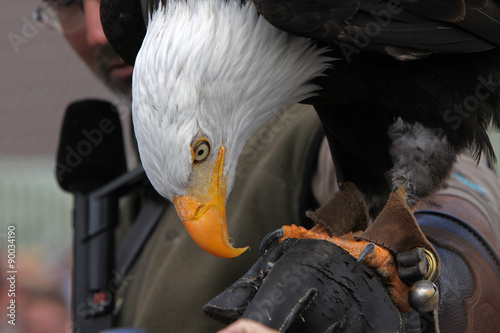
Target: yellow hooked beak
<point>204,215</point>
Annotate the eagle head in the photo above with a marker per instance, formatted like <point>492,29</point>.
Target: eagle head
<point>208,75</point>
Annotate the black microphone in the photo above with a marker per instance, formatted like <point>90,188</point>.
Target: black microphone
<point>91,151</point>
<point>91,154</point>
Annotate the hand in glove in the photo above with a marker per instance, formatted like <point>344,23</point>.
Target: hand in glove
<point>310,285</point>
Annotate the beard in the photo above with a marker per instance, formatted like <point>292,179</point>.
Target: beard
<point>106,58</point>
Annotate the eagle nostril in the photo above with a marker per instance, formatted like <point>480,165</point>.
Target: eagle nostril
<point>199,211</point>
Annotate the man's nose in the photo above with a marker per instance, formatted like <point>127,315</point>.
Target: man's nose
<point>95,34</point>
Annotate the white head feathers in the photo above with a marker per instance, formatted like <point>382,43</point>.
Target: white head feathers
<point>216,69</point>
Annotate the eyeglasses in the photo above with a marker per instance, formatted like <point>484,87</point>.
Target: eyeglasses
<point>63,16</point>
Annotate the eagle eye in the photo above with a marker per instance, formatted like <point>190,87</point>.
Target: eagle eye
<point>201,150</point>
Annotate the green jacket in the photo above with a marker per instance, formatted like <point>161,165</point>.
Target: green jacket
<point>172,278</point>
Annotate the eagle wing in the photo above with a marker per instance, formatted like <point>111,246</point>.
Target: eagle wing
<point>405,30</point>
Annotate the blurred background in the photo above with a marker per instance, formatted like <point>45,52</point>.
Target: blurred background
<point>39,76</point>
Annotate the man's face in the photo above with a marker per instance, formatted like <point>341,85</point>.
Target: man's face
<point>90,43</point>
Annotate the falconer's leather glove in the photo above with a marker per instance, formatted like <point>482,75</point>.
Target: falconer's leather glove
<point>310,285</point>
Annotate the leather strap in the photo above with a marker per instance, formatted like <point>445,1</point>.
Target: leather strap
<point>452,234</point>
<point>139,232</point>
<point>483,307</point>
<point>465,211</point>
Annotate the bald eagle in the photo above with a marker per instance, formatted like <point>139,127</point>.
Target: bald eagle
<point>401,88</point>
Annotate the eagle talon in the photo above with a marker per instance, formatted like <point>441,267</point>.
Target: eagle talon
<point>381,259</point>
<point>269,239</point>
<point>369,248</point>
